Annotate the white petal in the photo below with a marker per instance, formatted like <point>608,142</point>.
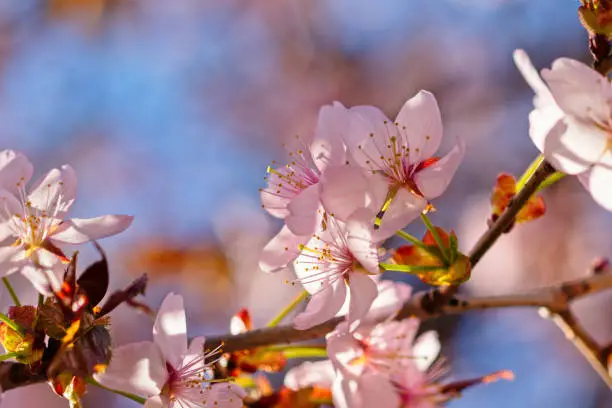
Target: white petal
<point>170,329</point>
<point>136,368</point>
<point>542,121</point>
<point>322,306</point>
<point>9,207</point>
<point>426,349</point>
<point>363,292</point>
<point>543,96</point>
<point>193,358</point>
<point>303,216</point>
<point>327,148</point>
<point>45,281</point>
<point>55,192</point>
<point>14,168</point>
<point>433,180</point>
<point>573,146</point>
<point>359,239</point>
<point>80,230</point>
<point>390,299</point>
<point>281,250</point>
<point>579,90</point>
<point>600,184</point>
<point>11,256</point>
<point>420,123</point>
<point>310,374</point>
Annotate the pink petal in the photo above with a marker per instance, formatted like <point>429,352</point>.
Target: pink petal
<point>14,168</point>
<point>342,197</point>
<point>572,146</point>
<point>193,357</point>
<point>303,215</point>
<point>579,90</point>
<point>79,230</point>
<point>543,96</point>
<point>377,391</point>
<point>223,395</point>
<point>9,208</point>
<point>363,292</point>
<point>368,135</point>
<point>433,180</point>
<point>405,208</point>
<point>156,402</point>
<point>55,192</point>
<point>359,239</point>
<point>11,256</point>
<point>343,393</point>
<point>323,305</point>
<point>327,148</point>
<point>170,329</point>
<point>420,123</point>
<point>390,299</point>
<point>272,201</point>
<point>137,368</point>
<point>344,350</point>
<point>310,374</point>
<point>600,183</point>
<point>281,250</point>
<point>542,122</point>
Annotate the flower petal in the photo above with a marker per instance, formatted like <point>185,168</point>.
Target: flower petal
<point>45,280</point>
<point>344,189</point>
<point>572,146</point>
<point>223,395</point>
<point>170,329</point>
<point>11,256</point>
<point>405,208</point>
<point>323,305</point>
<point>433,180</point>
<point>14,168</point>
<point>390,299</point>
<point>579,90</point>
<point>426,349</point>
<point>359,239</point>
<point>81,230</point>
<point>367,136</point>
<point>327,148</point>
<point>310,374</point>
<point>303,215</point>
<point>281,250</point>
<point>600,184</point>
<point>345,352</point>
<point>193,357</point>
<point>156,402</point>
<point>363,292</point>
<point>375,390</point>
<point>55,192</point>
<point>136,368</point>
<point>543,96</point>
<point>420,122</point>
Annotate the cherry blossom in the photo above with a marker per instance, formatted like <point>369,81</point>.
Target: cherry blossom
<point>167,371</point>
<point>400,157</point>
<point>35,220</point>
<point>571,122</point>
<point>375,367</point>
<point>336,261</point>
<point>293,191</point>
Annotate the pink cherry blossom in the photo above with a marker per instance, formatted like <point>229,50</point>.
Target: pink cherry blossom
<point>400,157</point>
<point>571,122</point>
<point>336,261</point>
<point>293,191</point>
<point>375,367</point>
<point>167,371</point>
<point>35,220</point>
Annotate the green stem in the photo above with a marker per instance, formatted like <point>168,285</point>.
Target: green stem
<point>6,356</point>
<point>414,269</point>
<point>12,324</point>
<point>443,249</point>
<point>133,397</point>
<point>411,239</point>
<point>283,313</point>
<point>529,172</point>
<point>11,291</point>
<point>300,351</point>
<point>552,179</point>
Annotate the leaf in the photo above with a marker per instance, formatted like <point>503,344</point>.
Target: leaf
<point>136,288</point>
<point>81,358</point>
<point>94,281</point>
<point>51,319</point>
<point>504,191</point>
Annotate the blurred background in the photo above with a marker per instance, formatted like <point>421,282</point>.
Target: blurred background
<point>171,110</point>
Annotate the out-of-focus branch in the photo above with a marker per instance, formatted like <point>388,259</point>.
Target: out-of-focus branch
<point>554,300</point>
